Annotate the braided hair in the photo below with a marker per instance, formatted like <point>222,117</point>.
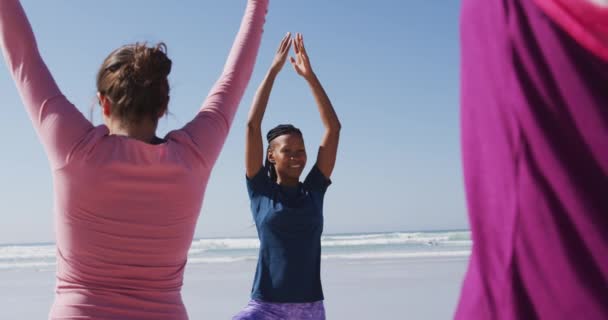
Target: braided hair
<point>275,132</point>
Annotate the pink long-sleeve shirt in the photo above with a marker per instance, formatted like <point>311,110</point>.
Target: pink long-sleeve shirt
<point>125,210</point>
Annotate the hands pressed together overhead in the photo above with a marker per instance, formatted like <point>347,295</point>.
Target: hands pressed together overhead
<point>301,62</point>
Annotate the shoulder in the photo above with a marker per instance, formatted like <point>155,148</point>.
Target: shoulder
<point>316,180</point>
<point>259,184</point>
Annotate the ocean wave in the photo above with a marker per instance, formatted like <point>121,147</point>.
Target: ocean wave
<point>27,252</point>
<point>26,264</point>
<point>459,238</point>
<point>202,245</point>
<point>397,255</point>
<point>227,259</point>
<point>399,238</point>
<point>233,259</point>
<point>227,250</point>
<point>348,256</point>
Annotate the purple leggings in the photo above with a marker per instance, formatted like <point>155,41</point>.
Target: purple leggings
<point>260,310</point>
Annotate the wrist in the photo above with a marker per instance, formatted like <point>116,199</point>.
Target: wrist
<point>312,78</point>
<point>275,69</point>
<point>273,72</point>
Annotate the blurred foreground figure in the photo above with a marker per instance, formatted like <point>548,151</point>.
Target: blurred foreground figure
<point>535,151</point>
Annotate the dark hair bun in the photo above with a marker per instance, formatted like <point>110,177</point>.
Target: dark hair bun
<point>150,64</point>
<point>134,78</point>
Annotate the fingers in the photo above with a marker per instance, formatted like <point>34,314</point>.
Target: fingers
<point>296,48</point>
<point>295,65</point>
<point>289,42</point>
<point>302,55</point>
<point>285,43</point>
<point>301,61</point>
<point>285,49</point>
<point>302,48</point>
<point>300,43</point>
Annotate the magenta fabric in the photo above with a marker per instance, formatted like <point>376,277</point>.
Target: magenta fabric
<point>583,20</point>
<point>534,117</point>
<point>125,211</point>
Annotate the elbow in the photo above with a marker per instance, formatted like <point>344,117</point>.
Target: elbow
<point>335,127</point>
<point>338,126</point>
<point>254,126</point>
<point>334,130</point>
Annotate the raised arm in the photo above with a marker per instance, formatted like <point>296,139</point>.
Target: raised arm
<point>254,147</point>
<point>210,127</point>
<point>58,123</point>
<point>326,158</point>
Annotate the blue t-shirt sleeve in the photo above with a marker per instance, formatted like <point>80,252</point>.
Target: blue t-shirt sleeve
<point>258,184</point>
<point>316,180</point>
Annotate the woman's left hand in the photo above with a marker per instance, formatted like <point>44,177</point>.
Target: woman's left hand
<point>301,63</point>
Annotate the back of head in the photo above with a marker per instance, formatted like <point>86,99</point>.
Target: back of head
<point>134,79</point>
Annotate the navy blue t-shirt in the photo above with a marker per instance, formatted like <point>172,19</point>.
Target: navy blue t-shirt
<point>289,221</point>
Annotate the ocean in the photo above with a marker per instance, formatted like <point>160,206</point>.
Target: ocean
<point>363,246</point>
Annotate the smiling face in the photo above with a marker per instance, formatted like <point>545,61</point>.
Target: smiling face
<point>288,154</point>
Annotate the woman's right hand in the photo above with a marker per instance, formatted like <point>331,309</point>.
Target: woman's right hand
<point>281,55</point>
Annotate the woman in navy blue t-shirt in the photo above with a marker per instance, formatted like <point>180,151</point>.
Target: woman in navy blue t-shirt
<point>288,213</point>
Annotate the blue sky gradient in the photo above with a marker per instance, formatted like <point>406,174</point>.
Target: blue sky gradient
<point>390,68</point>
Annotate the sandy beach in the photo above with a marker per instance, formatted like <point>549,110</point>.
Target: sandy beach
<point>409,288</point>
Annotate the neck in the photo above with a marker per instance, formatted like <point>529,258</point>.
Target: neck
<point>144,131</point>
<point>288,182</point>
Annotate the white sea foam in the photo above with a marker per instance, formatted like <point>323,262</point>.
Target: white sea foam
<point>199,260</point>
<point>396,245</point>
<point>396,238</point>
<point>27,252</point>
<point>397,255</point>
<point>399,238</point>
<point>26,264</point>
<point>201,245</point>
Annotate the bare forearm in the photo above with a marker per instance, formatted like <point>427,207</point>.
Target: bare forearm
<point>260,102</point>
<point>253,140</point>
<point>326,110</point>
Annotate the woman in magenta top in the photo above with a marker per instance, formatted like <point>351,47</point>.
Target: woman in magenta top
<point>535,152</point>
<point>126,201</point>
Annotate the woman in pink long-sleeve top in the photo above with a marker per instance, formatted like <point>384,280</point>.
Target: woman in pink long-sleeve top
<point>126,201</point>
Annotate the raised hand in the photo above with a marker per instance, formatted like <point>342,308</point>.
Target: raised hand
<point>281,55</point>
<point>301,63</point>
<point>254,148</point>
<point>326,157</point>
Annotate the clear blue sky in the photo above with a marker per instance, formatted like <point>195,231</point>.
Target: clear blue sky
<point>389,66</point>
